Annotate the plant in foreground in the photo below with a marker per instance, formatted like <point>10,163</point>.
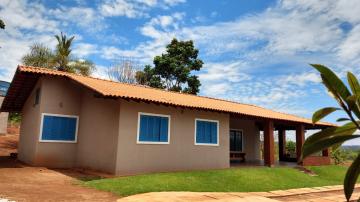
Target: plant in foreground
<point>349,102</point>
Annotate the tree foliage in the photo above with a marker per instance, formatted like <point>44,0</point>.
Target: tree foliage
<point>172,70</point>
<point>123,71</point>
<point>2,24</point>
<point>341,155</point>
<point>62,52</point>
<point>290,148</point>
<point>39,56</point>
<point>61,59</point>
<point>349,101</point>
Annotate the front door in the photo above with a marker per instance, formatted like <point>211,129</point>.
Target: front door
<point>236,140</point>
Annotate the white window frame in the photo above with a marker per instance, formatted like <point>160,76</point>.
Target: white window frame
<point>138,128</point>
<point>217,129</point>
<point>242,137</point>
<point>58,115</point>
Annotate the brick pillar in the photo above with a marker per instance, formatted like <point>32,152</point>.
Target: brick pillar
<point>325,152</point>
<point>282,144</point>
<point>269,143</point>
<point>300,139</point>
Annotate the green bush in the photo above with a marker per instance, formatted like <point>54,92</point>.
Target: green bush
<point>14,118</point>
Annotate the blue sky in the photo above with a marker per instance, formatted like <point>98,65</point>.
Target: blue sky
<point>254,51</point>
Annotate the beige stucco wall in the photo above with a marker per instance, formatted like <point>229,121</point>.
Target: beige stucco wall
<point>98,132</point>
<point>181,153</point>
<point>251,137</point>
<point>29,129</point>
<point>3,119</point>
<point>58,96</point>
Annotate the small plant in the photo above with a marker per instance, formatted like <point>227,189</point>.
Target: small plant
<point>290,148</point>
<point>349,102</point>
<point>339,156</point>
<point>14,118</point>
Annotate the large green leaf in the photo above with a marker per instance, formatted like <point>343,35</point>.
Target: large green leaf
<point>354,103</point>
<point>321,113</point>
<point>324,143</point>
<point>353,83</point>
<point>333,80</point>
<point>342,119</point>
<point>346,129</point>
<point>354,100</point>
<point>332,91</point>
<point>351,177</point>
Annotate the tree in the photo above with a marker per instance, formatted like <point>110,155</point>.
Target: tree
<point>62,52</point>
<point>124,71</point>
<point>82,67</point>
<point>339,155</point>
<point>60,59</point>
<point>349,102</point>
<point>39,56</point>
<point>172,70</point>
<point>290,148</point>
<point>2,24</point>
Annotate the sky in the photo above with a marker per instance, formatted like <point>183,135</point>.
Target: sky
<point>254,51</point>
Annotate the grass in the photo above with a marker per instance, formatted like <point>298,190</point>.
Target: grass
<point>227,180</point>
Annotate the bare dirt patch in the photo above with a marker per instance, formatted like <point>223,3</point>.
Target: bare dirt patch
<point>25,183</point>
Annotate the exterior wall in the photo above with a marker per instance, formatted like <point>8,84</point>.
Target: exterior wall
<point>98,133</point>
<point>251,137</point>
<point>3,119</point>
<point>97,130</point>
<point>29,129</point>
<point>57,96</point>
<point>180,153</point>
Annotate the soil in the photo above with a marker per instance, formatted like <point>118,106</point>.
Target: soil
<point>21,182</point>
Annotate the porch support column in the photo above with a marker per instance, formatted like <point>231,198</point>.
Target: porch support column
<point>269,143</point>
<point>325,152</point>
<point>282,144</point>
<point>300,139</point>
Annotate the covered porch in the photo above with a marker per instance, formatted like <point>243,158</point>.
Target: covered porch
<point>259,141</point>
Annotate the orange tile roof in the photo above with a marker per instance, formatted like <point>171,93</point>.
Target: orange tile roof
<point>132,91</point>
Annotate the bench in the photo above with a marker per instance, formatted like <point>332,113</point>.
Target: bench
<point>237,156</point>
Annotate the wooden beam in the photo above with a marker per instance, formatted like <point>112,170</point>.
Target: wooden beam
<point>282,144</point>
<point>300,139</point>
<point>269,159</point>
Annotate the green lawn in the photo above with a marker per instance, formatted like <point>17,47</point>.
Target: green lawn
<point>227,180</point>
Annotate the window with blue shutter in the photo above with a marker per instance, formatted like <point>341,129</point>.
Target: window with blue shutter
<point>206,132</point>
<point>59,128</point>
<point>153,128</point>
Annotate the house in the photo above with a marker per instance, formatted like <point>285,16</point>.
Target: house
<point>70,120</point>
<point>3,115</point>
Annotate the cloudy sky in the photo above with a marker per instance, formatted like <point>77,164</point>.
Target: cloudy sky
<point>254,51</point>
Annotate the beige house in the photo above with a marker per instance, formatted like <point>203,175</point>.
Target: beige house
<point>75,121</point>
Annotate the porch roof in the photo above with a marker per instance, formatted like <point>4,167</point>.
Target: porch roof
<point>26,77</point>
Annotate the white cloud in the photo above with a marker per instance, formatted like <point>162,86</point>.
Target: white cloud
<point>227,71</point>
<point>100,72</point>
<point>173,2</point>
<point>134,8</point>
<point>216,89</point>
<point>26,23</point>
<point>83,16</point>
<point>84,49</point>
<point>349,49</point>
<point>120,8</point>
<point>23,15</point>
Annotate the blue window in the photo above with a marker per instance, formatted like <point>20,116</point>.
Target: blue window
<point>153,128</point>
<point>206,132</point>
<point>59,128</point>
